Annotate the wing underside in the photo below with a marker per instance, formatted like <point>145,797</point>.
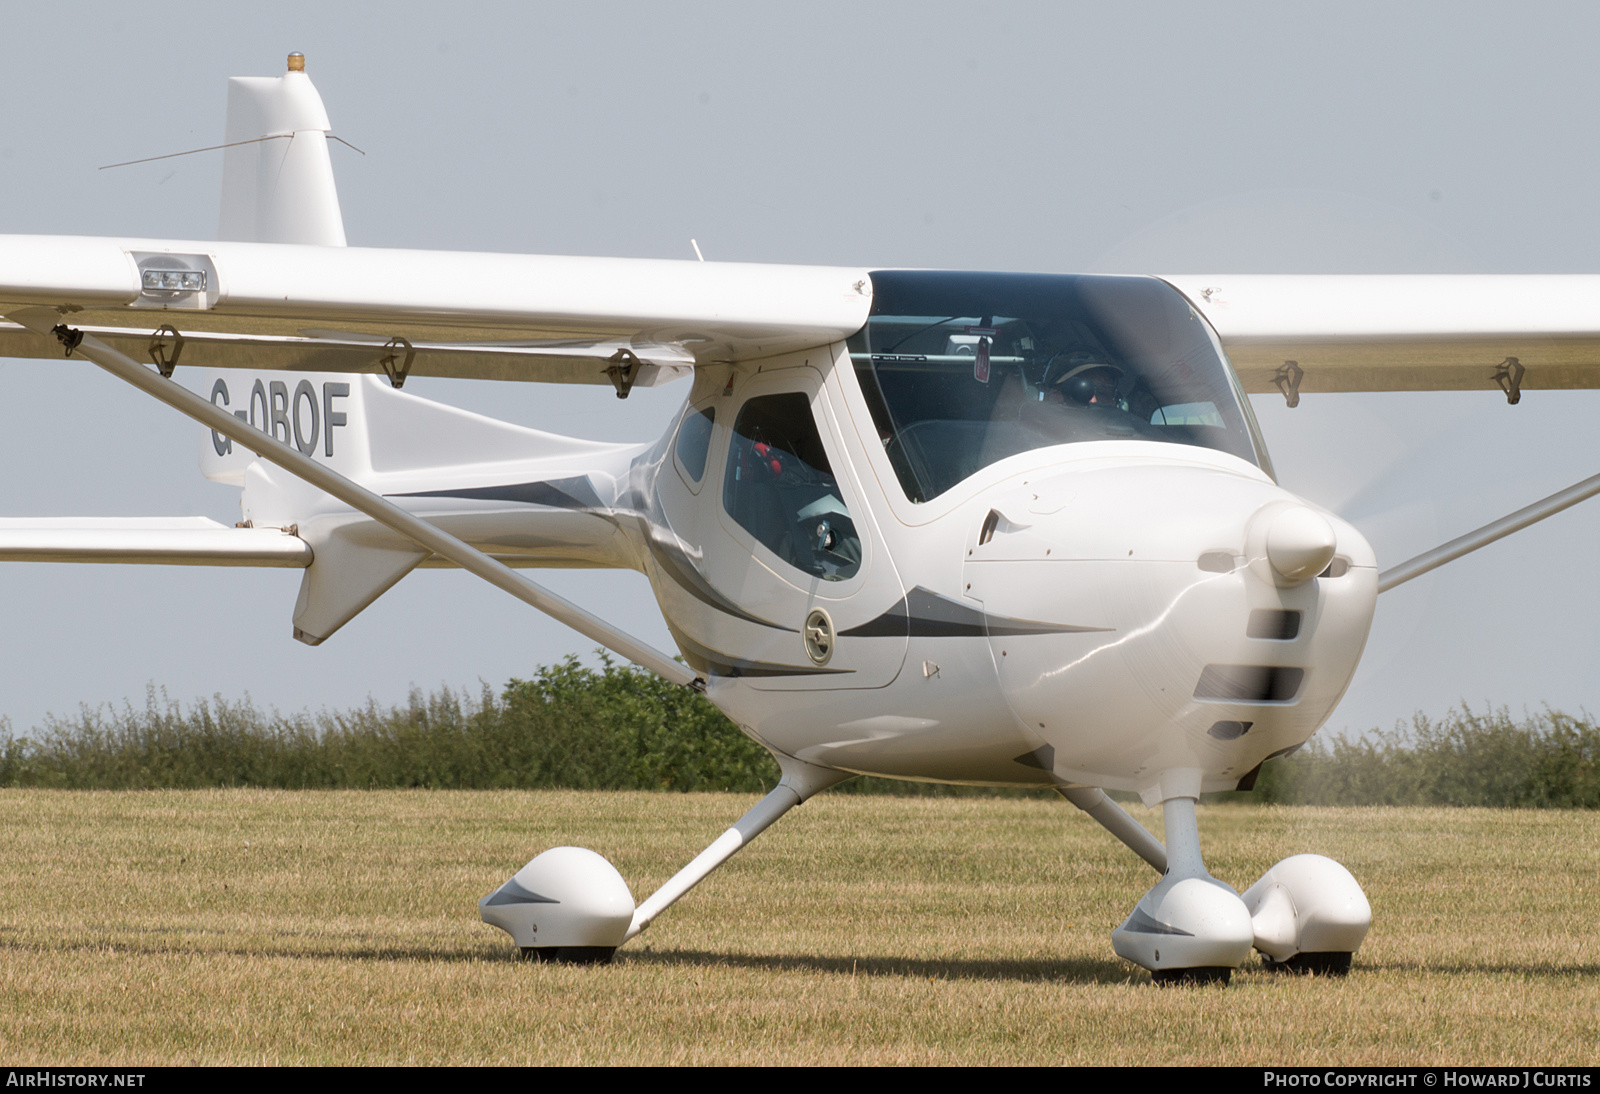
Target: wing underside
<point>474,353</point>
<point>1404,333</point>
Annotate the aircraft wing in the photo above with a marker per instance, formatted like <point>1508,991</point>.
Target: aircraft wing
<point>1404,332</point>
<point>430,313</point>
<point>570,320</point>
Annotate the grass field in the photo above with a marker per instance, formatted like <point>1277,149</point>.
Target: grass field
<point>341,927</point>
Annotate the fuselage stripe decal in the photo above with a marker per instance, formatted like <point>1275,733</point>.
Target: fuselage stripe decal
<point>558,494</point>
<point>923,613</point>
<point>562,494</point>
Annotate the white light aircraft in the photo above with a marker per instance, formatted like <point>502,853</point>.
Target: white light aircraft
<point>986,528</point>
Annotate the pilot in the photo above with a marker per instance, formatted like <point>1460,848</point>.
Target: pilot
<point>1092,383</point>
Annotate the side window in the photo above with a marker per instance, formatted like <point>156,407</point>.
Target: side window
<point>780,489</point>
<point>694,442</point>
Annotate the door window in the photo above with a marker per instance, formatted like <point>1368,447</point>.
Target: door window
<point>780,489</point>
<point>694,443</point>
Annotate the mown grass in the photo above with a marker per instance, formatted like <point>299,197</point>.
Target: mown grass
<point>251,926</point>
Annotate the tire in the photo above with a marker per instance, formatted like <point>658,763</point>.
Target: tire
<point>1312,964</point>
<point>570,955</point>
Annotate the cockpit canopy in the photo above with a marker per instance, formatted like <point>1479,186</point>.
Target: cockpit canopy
<point>961,370</point>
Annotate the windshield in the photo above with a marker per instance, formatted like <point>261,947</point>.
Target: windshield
<point>961,370</point>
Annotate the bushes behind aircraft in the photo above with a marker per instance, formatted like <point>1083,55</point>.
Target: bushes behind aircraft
<point>621,728</point>
<point>1547,760</point>
<point>569,726</point>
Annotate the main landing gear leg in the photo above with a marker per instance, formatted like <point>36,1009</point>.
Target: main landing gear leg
<point>1190,928</point>
<point>569,904</point>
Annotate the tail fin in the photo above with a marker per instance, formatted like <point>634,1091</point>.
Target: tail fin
<point>277,180</point>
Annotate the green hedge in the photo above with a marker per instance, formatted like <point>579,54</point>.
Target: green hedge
<point>1547,760</point>
<point>569,726</point>
<point>620,728</point>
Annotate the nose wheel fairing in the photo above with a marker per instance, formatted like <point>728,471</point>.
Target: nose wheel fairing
<point>1189,922</point>
<point>1306,914</point>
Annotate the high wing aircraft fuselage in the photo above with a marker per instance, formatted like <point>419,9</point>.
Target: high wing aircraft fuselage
<point>998,529</point>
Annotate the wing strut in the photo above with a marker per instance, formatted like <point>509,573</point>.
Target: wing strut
<point>1515,522</point>
<point>1114,819</point>
<point>46,321</point>
<point>800,781</point>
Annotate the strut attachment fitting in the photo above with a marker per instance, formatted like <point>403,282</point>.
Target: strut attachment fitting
<point>1508,374</point>
<point>1287,380</point>
<point>165,358</point>
<point>394,366</point>
<point>69,337</point>
<point>624,371</point>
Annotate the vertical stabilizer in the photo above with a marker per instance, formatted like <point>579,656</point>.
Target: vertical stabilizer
<point>279,187</point>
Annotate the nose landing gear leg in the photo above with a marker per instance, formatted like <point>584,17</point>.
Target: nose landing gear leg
<point>1190,928</point>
